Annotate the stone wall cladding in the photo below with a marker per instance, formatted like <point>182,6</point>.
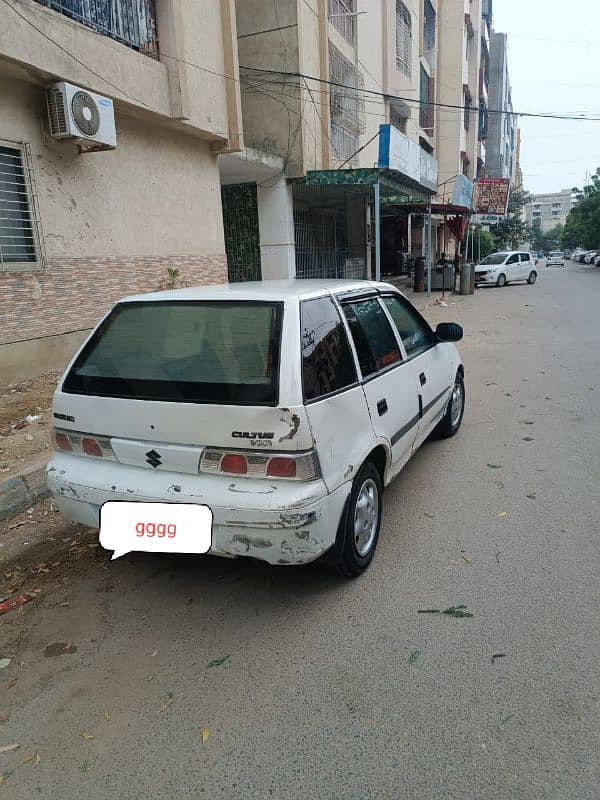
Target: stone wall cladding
<point>77,292</point>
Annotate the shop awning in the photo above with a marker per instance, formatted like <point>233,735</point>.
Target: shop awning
<point>394,187</point>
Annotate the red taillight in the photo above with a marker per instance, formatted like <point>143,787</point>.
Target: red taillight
<point>62,441</point>
<point>91,448</point>
<point>234,463</point>
<point>280,467</point>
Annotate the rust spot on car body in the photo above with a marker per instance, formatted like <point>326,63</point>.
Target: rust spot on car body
<point>294,423</point>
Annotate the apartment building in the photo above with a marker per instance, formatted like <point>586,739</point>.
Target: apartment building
<point>318,80</point>
<point>501,143</point>
<point>549,209</point>
<point>82,226</point>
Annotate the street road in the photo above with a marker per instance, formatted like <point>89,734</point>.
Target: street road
<point>340,689</point>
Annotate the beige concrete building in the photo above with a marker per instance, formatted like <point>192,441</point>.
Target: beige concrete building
<point>79,230</point>
<point>318,80</point>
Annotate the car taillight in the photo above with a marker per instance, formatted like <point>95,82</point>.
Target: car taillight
<point>279,467</point>
<point>252,464</point>
<point>234,464</point>
<point>61,440</point>
<point>83,444</point>
<point>91,447</point>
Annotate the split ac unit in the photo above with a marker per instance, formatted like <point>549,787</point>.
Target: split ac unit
<point>75,114</point>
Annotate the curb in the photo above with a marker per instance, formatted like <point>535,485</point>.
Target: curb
<point>21,492</point>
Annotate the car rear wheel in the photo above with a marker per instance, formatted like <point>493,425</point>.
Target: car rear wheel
<point>452,419</point>
<point>362,522</point>
<point>501,280</point>
<point>532,278</point>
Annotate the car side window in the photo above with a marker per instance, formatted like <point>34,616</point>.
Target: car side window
<point>416,335</point>
<point>327,361</point>
<point>514,259</point>
<point>525,257</point>
<point>374,339</point>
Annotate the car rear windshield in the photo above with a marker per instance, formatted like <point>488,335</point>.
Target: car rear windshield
<point>195,352</point>
<point>495,258</point>
<point>556,255</point>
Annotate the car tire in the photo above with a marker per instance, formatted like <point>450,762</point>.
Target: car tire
<point>452,419</point>
<point>501,280</point>
<point>532,277</point>
<point>362,522</point>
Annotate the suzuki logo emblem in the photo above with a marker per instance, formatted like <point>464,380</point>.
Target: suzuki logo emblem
<point>153,458</point>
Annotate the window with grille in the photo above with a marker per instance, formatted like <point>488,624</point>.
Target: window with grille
<point>339,16</point>
<point>347,107</point>
<point>403,38</point>
<point>429,33</point>
<point>399,113</point>
<point>18,221</point>
<point>426,111</point>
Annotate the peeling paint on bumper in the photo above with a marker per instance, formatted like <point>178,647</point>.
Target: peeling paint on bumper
<point>281,523</point>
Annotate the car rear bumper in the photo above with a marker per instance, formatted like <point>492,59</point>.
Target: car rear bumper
<point>281,522</point>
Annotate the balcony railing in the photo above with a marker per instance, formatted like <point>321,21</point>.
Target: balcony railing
<point>131,22</point>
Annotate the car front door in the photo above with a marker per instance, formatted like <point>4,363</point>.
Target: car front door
<point>388,381</point>
<point>433,368</point>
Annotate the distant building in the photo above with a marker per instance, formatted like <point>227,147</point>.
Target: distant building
<point>549,209</point>
<point>502,127</point>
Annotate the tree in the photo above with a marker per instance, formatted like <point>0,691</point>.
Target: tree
<point>513,230</point>
<point>537,236</point>
<point>582,228</point>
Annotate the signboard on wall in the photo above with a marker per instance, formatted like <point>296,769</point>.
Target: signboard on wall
<point>398,152</point>
<point>491,196</point>
<point>463,191</point>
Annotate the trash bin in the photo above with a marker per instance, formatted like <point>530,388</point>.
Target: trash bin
<point>467,276</point>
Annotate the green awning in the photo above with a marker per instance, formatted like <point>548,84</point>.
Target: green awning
<point>395,188</point>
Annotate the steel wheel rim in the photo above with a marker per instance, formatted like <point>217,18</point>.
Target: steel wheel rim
<point>532,278</point>
<point>366,517</point>
<point>501,280</point>
<point>456,404</point>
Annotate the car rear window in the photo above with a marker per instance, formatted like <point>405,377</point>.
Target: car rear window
<point>198,352</point>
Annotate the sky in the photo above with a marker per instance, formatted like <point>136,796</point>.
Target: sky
<point>554,65</point>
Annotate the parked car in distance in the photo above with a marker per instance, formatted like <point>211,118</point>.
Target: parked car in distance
<point>281,409</point>
<point>504,267</point>
<point>556,259</point>
<point>590,256</point>
<point>597,260</point>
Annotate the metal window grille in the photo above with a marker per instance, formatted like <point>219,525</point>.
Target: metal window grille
<point>325,248</point>
<point>131,22</point>
<point>429,33</point>
<point>399,113</point>
<point>339,11</point>
<point>403,38</point>
<point>426,111</point>
<point>347,106</point>
<point>20,229</point>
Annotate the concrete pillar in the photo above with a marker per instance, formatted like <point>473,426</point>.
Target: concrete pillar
<point>276,225</point>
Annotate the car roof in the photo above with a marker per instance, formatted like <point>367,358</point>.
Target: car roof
<point>280,290</point>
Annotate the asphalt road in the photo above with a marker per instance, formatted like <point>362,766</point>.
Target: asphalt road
<point>337,689</point>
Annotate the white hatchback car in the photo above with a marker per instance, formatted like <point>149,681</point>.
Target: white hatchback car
<point>556,259</point>
<point>499,269</point>
<point>283,408</point>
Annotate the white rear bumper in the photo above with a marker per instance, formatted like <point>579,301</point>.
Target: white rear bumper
<point>281,522</point>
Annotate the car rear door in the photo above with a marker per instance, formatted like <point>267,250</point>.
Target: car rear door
<point>526,266</point>
<point>388,382</point>
<point>512,268</point>
<point>431,363</point>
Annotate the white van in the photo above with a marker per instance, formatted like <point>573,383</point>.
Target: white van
<point>508,266</point>
<point>282,408</point>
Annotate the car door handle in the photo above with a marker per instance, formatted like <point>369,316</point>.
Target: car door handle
<point>423,379</point>
<point>382,407</point>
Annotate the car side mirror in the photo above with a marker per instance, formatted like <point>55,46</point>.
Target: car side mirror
<point>449,332</point>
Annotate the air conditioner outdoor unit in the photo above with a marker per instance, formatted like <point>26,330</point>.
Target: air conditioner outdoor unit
<point>74,114</point>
